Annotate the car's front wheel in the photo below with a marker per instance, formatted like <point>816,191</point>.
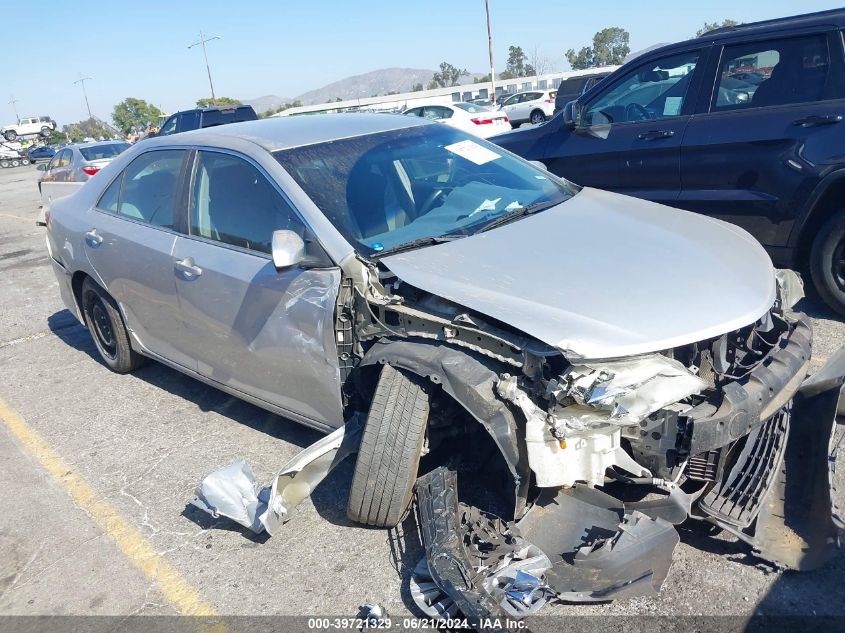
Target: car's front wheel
<point>106,325</point>
<point>827,262</point>
<point>46,131</point>
<point>389,455</point>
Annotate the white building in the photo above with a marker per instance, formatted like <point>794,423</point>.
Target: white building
<point>466,92</point>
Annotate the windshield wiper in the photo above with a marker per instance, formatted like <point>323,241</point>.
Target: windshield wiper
<point>519,213</point>
<point>418,243</point>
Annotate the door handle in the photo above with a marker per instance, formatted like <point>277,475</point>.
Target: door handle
<point>816,119</point>
<point>188,268</point>
<point>653,135</point>
<point>93,239</point>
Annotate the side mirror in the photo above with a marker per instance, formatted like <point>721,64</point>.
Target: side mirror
<point>572,115</point>
<point>42,167</point>
<point>288,249</point>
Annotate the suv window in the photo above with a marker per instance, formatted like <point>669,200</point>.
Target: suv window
<point>149,187</point>
<point>775,72</point>
<point>435,113</point>
<point>655,90</point>
<point>169,126</point>
<point>234,203</point>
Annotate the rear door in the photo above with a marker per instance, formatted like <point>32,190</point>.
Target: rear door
<point>629,136</point>
<point>756,150</point>
<point>265,333</point>
<point>129,242</point>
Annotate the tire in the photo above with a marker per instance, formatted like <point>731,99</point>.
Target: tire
<point>107,329</point>
<point>10,135</point>
<point>4,163</point>
<point>389,455</point>
<point>15,162</point>
<point>24,161</point>
<point>46,131</point>
<point>537,117</point>
<point>827,262</point>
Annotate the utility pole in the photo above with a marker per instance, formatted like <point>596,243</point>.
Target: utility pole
<point>82,81</point>
<point>490,51</point>
<point>202,42</point>
<point>12,103</point>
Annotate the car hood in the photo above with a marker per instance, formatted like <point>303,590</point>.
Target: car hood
<point>603,275</point>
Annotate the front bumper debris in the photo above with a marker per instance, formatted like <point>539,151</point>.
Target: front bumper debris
<point>233,491</point>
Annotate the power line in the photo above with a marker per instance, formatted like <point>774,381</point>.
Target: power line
<point>12,103</point>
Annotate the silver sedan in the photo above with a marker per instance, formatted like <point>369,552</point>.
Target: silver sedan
<point>475,309</point>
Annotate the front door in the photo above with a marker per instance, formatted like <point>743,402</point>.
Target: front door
<point>629,135</point>
<point>772,127</point>
<point>129,242</point>
<point>266,333</point>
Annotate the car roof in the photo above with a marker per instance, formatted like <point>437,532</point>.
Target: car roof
<point>95,144</point>
<point>833,17</point>
<point>277,133</point>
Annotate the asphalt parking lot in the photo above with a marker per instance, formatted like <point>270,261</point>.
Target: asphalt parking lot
<point>96,470</point>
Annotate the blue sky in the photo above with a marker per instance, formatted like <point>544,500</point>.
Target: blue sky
<point>286,47</point>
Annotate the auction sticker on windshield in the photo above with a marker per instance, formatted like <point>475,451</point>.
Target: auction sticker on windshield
<point>473,152</point>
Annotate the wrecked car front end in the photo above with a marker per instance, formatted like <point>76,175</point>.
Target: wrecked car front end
<point>662,381</point>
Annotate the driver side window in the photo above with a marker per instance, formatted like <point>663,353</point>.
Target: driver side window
<point>656,90</point>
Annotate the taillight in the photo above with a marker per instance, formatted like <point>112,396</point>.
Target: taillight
<point>91,170</point>
<point>482,121</point>
<point>506,119</point>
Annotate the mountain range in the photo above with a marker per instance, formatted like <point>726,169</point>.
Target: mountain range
<point>376,82</point>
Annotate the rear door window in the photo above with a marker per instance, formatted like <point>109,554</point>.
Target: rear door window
<point>150,183</point>
<point>776,72</point>
<point>436,113</point>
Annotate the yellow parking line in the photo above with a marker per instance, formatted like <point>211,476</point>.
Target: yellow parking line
<point>130,541</point>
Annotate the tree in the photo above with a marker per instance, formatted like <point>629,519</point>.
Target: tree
<point>448,75</point>
<point>135,115</point>
<point>89,128</point>
<point>709,26</point>
<point>205,102</point>
<point>540,64</point>
<point>432,85</point>
<point>516,62</point>
<point>483,80</point>
<point>610,47</point>
<point>417,88</point>
<point>281,108</point>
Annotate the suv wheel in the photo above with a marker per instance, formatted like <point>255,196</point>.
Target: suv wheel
<point>827,262</point>
<point>537,117</point>
<point>107,329</point>
<point>10,135</point>
<point>389,455</point>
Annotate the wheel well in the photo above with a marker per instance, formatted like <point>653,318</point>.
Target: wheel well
<point>76,285</point>
<point>825,207</point>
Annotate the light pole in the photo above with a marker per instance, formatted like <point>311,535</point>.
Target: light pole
<point>12,103</point>
<point>490,51</point>
<point>82,81</point>
<point>202,42</point>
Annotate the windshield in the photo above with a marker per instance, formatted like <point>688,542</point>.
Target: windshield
<point>388,189</point>
<point>472,108</point>
<point>96,152</point>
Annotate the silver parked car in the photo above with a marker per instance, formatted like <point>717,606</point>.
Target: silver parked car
<point>468,302</point>
<point>75,164</point>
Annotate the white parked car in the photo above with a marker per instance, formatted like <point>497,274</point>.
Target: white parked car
<point>476,119</point>
<point>533,106</point>
<point>28,126</point>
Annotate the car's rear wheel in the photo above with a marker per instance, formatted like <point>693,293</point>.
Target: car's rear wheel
<point>537,117</point>
<point>389,455</point>
<point>10,135</point>
<point>827,262</point>
<point>107,329</point>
